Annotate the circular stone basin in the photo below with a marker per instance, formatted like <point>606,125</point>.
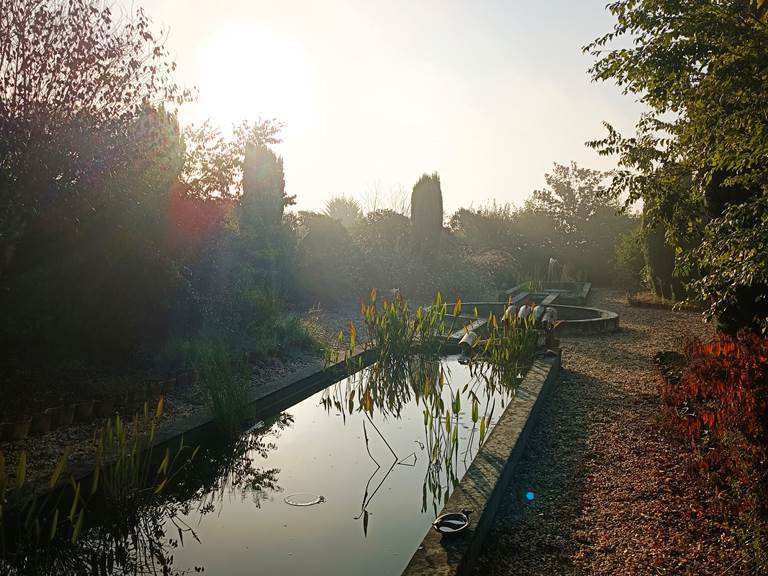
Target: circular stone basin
<point>573,320</point>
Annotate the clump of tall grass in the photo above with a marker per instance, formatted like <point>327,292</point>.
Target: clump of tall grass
<point>225,378</point>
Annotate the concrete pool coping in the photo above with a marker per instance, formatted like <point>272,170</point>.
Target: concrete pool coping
<point>483,486</point>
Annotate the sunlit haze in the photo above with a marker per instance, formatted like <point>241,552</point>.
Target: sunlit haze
<point>373,94</point>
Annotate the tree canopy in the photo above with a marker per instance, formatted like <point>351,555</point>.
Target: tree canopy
<point>699,158</point>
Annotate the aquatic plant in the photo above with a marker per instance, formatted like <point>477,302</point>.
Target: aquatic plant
<point>504,355</point>
<point>125,459</point>
<point>117,521</point>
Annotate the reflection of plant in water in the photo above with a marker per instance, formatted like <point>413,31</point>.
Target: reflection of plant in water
<point>130,518</point>
<point>231,468</point>
<point>407,369</point>
<point>428,383</point>
<point>114,525</point>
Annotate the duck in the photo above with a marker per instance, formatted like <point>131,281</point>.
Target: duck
<point>451,522</point>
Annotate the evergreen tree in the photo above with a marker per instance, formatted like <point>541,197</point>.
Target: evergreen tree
<point>264,197</point>
<point>427,213</point>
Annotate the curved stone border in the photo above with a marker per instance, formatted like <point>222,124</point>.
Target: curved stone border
<point>574,320</point>
<point>482,488</point>
<point>598,322</point>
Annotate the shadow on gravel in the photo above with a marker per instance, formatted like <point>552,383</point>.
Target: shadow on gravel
<point>534,529</point>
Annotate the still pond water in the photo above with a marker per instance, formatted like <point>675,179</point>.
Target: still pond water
<point>377,498</point>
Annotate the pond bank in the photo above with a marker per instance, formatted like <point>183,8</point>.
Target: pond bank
<point>181,407</point>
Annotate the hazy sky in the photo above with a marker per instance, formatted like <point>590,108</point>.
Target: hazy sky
<point>374,93</point>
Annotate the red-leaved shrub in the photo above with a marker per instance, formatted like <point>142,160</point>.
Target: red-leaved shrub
<point>721,405</point>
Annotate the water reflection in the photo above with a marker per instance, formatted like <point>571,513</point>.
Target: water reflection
<point>384,449</point>
<point>382,391</point>
<point>231,468</point>
<point>141,535</point>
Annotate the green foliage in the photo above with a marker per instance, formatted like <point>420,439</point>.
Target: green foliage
<point>384,240</point>
<point>226,381</point>
<point>397,332</point>
<point>487,228</point>
<point>630,260</point>
<point>503,356</point>
<point>101,289</point>
<point>700,68</point>
<point>570,220</point>
<point>345,210</point>
<point>573,197</point>
<point>427,213</point>
<point>329,263</point>
<point>125,467</point>
<point>660,262</point>
<point>264,196</point>
<point>63,135</point>
<point>64,530</point>
<point>235,278</point>
<point>735,250</point>
<point>706,62</point>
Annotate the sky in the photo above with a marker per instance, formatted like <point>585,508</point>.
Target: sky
<point>372,94</point>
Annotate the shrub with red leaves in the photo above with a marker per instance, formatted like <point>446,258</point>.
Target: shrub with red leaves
<point>721,405</point>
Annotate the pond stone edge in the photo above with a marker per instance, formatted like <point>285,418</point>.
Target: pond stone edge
<point>484,485</point>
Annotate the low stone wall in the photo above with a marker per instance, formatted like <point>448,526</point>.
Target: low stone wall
<point>482,488</point>
<point>582,321</point>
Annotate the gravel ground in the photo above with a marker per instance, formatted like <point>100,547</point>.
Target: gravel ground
<point>612,494</point>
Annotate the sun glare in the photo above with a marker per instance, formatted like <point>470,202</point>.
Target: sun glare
<point>247,73</point>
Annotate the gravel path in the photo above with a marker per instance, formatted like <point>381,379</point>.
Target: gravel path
<point>611,491</point>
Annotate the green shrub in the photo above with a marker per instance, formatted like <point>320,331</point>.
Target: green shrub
<point>329,264</point>
<point>345,210</point>
<point>630,262</point>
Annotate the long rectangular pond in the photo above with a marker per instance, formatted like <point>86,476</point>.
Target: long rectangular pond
<point>333,492</point>
<point>346,481</point>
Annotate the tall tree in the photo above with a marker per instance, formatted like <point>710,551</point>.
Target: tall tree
<point>702,69</point>
<point>573,196</point>
<point>73,81</point>
<point>264,196</point>
<point>427,213</point>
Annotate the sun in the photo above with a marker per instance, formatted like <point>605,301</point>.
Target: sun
<point>246,73</point>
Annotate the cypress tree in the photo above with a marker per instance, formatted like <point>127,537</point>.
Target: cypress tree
<point>427,213</point>
<point>264,197</point>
